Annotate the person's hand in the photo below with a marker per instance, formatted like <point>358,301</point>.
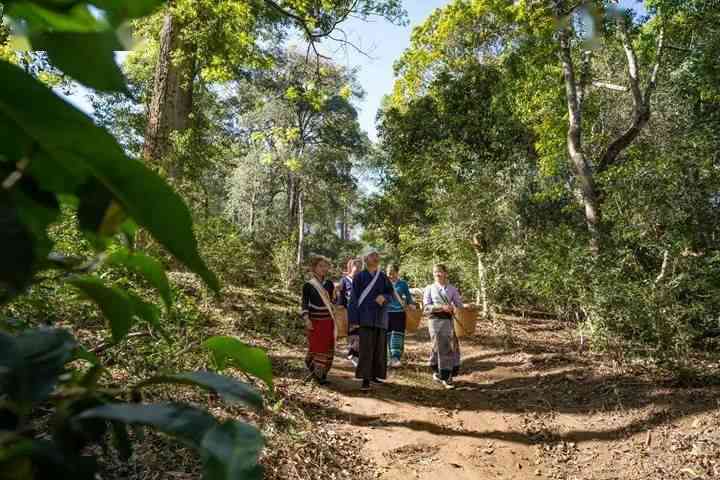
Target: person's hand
<point>308,325</point>
<point>380,300</point>
<point>447,308</point>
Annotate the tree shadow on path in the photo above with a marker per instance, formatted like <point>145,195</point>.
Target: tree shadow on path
<point>499,380</point>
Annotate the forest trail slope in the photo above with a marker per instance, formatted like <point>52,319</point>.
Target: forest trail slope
<point>527,405</point>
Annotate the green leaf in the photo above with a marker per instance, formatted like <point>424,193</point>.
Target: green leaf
<point>129,230</point>
<point>75,19</point>
<point>231,451</point>
<point>150,268</point>
<point>149,313</point>
<point>14,144</point>
<point>121,440</point>
<point>26,211</point>
<point>121,10</point>
<point>16,270</point>
<point>88,57</point>
<point>37,209</point>
<point>94,201</point>
<point>181,421</point>
<point>229,351</point>
<point>70,139</point>
<point>31,362</point>
<point>114,304</point>
<point>229,389</point>
<point>99,215</point>
<point>81,353</point>
<point>47,461</point>
<point>91,377</point>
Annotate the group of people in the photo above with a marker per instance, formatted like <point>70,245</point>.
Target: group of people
<point>376,302</point>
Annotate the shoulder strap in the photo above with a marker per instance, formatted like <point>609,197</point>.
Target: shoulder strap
<point>367,290</point>
<point>440,294</point>
<point>323,295</point>
<point>397,297</point>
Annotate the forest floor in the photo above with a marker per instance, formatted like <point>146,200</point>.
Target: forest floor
<point>527,405</point>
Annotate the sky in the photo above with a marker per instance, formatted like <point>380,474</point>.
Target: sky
<point>383,43</point>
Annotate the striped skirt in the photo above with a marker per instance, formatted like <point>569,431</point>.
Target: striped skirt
<point>396,334</point>
<point>445,355</point>
<point>321,344</point>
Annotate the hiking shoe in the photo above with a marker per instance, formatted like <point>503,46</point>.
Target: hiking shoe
<point>395,363</point>
<point>365,386</point>
<point>377,380</point>
<point>354,360</point>
<point>436,378</point>
<point>448,384</point>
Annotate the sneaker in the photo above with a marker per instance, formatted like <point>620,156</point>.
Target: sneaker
<point>378,381</point>
<point>395,363</point>
<point>436,378</point>
<point>448,384</point>
<point>354,360</point>
<point>365,386</point>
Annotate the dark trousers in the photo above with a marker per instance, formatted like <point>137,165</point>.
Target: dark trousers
<point>373,354</point>
<point>353,341</point>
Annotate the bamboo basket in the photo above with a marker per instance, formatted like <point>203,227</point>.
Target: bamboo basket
<point>413,316</point>
<point>341,322</point>
<point>466,320</point>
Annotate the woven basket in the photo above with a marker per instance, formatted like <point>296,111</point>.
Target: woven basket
<point>341,322</point>
<point>413,316</point>
<point>466,320</point>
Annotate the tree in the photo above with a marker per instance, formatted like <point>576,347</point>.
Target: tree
<point>198,38</point>
<point>598,119</point>
<point>53,155</point>
<point>447,150</point>
<point>218,38</point>
<point>308,129</point>
<point>576,88</point>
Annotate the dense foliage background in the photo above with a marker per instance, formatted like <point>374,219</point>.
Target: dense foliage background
<point>567,167</point>
<point>558,156</point>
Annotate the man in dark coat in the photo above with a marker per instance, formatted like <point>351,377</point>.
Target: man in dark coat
<point>372,291</point>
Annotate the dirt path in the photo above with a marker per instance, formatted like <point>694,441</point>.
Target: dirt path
<point>533,409</point>
<point>415,429</point>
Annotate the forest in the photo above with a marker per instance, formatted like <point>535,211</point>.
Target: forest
<point>174,171</point>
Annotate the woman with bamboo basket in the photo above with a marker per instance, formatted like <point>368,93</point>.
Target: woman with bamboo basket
<point>440,302</point>
<point>396,316</point>
<point>318,313</point>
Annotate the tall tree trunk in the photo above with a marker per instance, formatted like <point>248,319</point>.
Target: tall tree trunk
<point>171,101</point>
<point>343,224</point>
<point>293,195</point>
<point>482,285</point>
<point>583,172</point>
<point>481,298</point>
<point>301,228</point>
<point>253,201</point>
